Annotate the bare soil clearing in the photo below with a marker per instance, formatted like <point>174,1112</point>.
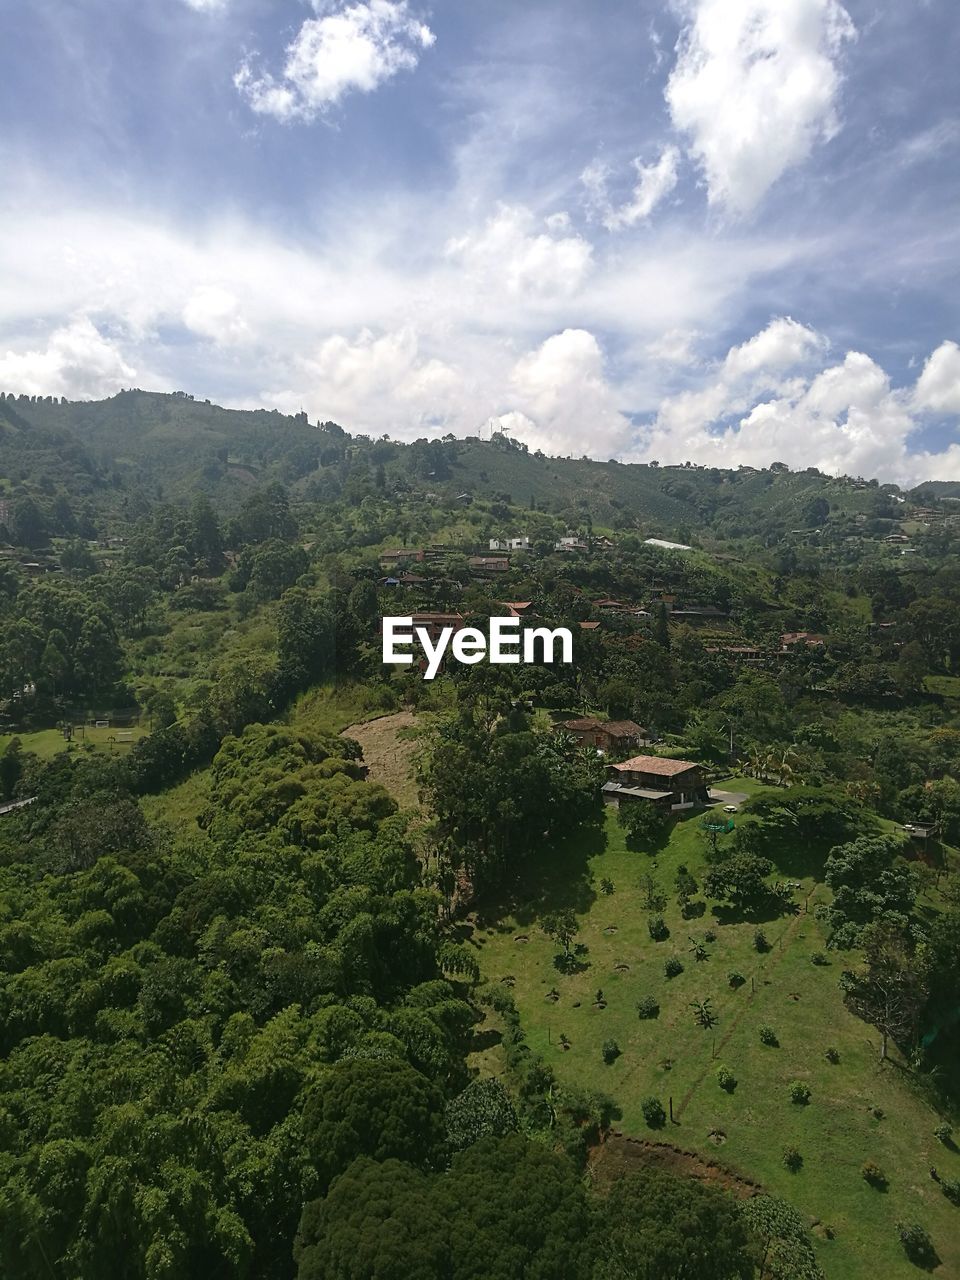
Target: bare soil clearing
<point>389,757</point>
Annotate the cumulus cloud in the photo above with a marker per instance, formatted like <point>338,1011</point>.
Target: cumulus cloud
<point>213,312</point>
<point>561,399</point>
<point>376,382</point>
<point>77,361</point>
<point>509,253</point>
<point>938,387</point>
<point>755,88</point>
<point>353,47</point>
<point>781,345</point>
<point>654,183</point>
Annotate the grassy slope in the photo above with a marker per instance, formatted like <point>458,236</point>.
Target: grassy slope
<point>47,743</point>
<point>836,1133</point>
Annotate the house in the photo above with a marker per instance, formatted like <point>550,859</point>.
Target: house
<point>518,608</point>
<point>605,735</point>
<point>603,544</point>
<point>390,558</point>
<point>569,543</point>
<point>671,784</point>
<point>738,652</point>
<point>801,639</point>
<point>698,615</point>
<point>589,626</point>
<point>896,538</point>
<point>510,544</point>
<point>667,546</point>
<point>489,564</point>
<point>609,606</point>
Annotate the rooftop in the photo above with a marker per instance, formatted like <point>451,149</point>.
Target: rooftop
<point>656,764</point>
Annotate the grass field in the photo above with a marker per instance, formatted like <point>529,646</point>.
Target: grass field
<point>47,743</point>
<point>859,1110</point>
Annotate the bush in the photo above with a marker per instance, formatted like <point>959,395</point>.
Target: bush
<point>760,940</point>
<point>769,1036</point>
<point>648,1007</point>
<point>917,1244</point>
<point>944,1133</point>
<point>653,1112</point>
<point>800,1093</point>
<point>672,967</point>
<point>819,958</point>
<point>610,1051</point>
<point>726,1079</point>
<point>874,1175</point>
<point>832,1055</point>
<point>951,1189</point>
<point>792,1159</point>
<point>710,935</point>
<point>735,979</point>
<point>606,886</point>
<point>657,927</point>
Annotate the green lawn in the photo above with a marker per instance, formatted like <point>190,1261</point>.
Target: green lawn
<point>673,1057</point>
<point>46,743</point>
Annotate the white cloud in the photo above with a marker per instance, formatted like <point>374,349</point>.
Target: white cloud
<point>77,362</point>
<point>674,347</point>
<point>207,6</point>
<point>213,312</point>
<point>755,88</point>
<point>938,387</point>
<point>352,47</point>
<point>654,183</point>
<point>781,345</point>
<point>562,402</point>
<point>508,253</point>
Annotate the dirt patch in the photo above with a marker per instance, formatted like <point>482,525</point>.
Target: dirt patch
<point>388,757</point>
<point>619,1156</point>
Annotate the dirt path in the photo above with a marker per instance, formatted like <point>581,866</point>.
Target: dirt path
<point>389,757</point>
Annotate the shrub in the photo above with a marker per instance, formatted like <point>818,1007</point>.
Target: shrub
<point>760,940</point>
<point>819,958</point>
<point>944,1133</point>
<point>874,1175</point>
<point>792,1159</point>
<point>832,1055</point>
<point>768,1036</point>
<point>672,967</point>
<point>648,1007</point>
<point>735,979</point>
<point>726,1079</point>
<point>657,927</point>
<point>951,1189</point>
<point>800,1093</point>
<point>653,1112</point>
<point>917,1244</point>
<point>610,1051</point>
<point>710,935</point>
<point>606,886</point>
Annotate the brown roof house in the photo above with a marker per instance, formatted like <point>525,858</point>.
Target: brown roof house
<point>671,784</point>
<point>606,735</point>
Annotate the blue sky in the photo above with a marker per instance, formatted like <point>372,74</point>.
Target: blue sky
<point>724,230</point>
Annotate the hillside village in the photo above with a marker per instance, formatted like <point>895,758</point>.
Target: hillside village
<point>636,909</point>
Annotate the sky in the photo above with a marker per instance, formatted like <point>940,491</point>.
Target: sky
<point>719,230</point>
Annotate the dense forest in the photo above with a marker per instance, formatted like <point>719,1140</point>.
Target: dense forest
<point>247,1022</point>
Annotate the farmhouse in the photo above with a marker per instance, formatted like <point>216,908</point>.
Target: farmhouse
<point>671,784</point>
<point>605,735</point>
<point>801,639</point>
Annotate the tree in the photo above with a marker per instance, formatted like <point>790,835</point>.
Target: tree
<point>644,823</point>
<point>786,1249</point>
<point>656,1226</point>
<point>383,1109</point>
<point>483,1110</point>
<point>870,882</point>
<point>890,990</point>
<point>739,879</point>
<point>561,927</point>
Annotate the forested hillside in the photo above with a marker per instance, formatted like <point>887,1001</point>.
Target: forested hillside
<point>257,1020</point>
